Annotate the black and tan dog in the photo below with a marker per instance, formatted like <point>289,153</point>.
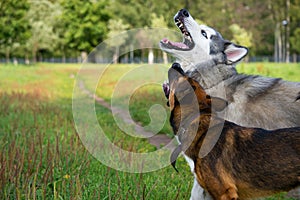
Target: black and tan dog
<point>244,162</point>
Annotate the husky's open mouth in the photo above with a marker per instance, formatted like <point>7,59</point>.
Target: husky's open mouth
<point>186,44</point>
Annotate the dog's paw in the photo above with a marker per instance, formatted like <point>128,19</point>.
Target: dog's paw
<point>166,89</point>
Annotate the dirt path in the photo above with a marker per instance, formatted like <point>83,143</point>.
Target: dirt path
<point>157,140</point>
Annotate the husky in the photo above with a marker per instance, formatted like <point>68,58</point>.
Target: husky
<point>252,162</point>
<point>253,101</point>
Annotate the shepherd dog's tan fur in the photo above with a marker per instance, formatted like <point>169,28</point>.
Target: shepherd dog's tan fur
<point>245,162</point>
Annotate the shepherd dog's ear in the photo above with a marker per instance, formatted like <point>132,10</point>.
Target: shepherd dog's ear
<point>216,103</point>
<point>175,72</point>
<point>178,68</point>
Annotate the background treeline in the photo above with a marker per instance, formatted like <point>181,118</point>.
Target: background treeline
<point>64,29</point>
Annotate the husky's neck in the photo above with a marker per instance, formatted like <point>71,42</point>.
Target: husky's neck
<point>209,74</point>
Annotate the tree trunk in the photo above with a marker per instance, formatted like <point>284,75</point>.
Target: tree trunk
<point>150,56</point>
<point>40,55</point>
<point>15,61</point>
<point>34,51</point>
<point>7,56</point>
<point>84,56</point>
<point>283,35</point>
<point>27,62</point>
<point>294,57</point>
<point>276,47</point>
<point>287,59</point>
<point>131,54</point>
<point>279,40</point>
<point>165,58</point>
<point>142,55</point>
<point>116,55</point>
<point>63,59</point>
<point>126,58</point>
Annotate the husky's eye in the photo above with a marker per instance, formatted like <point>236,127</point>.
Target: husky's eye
<point>204,34</point>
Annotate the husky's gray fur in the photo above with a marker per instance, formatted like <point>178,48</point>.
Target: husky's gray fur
<point>254,101</point>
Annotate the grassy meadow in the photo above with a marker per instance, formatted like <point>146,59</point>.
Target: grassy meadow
<point>42,157</point>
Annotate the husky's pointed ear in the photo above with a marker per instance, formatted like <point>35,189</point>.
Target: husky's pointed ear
<point>217,104</point>
<point>234,53</point>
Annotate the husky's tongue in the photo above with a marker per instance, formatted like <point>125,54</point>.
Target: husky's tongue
<point>176,44</point>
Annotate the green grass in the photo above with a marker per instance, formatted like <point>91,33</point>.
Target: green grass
<point>285,71</point>
<point>140,100</point>
<point>43,158</point>
<point>41,155</point>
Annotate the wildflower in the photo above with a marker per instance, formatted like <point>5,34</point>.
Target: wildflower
<point>67,176</point>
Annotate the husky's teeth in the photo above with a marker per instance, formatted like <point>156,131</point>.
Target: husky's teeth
<point>187,39</point>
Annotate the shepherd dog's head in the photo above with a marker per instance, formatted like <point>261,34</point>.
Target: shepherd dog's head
<point>189,104</point>
<point>186,98</point>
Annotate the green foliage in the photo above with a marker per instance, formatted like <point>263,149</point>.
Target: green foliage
<point>85,22</point>
<point>64,28</point>
<point>116,27</point>
<point>158,21</point>
<point>42,17</point>
<point>241,36</point>
<point>132,12</point>
<point>294,24</point>
<point>295,40</point>
<point>14,26</point>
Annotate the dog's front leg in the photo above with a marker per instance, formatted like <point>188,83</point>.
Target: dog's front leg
<point>230,194</point>
<point>198,193</point>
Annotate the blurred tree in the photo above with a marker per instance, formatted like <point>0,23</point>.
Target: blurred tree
<point>295,41</point>
<point>278,14</point>
<point>132,12</point>
<point>241,36</point>
<point>251,15</point>
<point>14,27</point>
<point>115,28</point>
<point>166,9</point>
<point>85,23</point>
<point>295,28</point>
<point>42,16</point>
<point>137,13</point>
<point>157,22</point>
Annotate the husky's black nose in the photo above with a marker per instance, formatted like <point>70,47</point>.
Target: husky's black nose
<point>184,12</point>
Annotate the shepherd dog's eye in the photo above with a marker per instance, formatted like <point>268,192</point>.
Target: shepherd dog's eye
<point>204,33</point>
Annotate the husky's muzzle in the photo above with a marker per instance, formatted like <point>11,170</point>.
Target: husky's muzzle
<point>187,43</point>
